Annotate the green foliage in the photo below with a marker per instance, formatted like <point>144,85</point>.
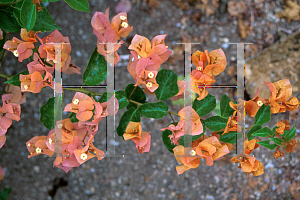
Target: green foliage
<point>230,137</point>
<point>226,110</point>
<point>263,115</point>
<point>130,115</point>
<point>154,110</point>
<point>167,81</point>
<point>290,134</point>
<point>73,118</point>
<point>264,132</point>
<point>277,141</point>
<point>44,21</point>
<point>120,95</point>
<point>47,113</point>
<point>204,106</point>
<point>15,80</point>
<point>266,143</point>
<point>4,194</point>
<point>254,128</point>
<point>8,22</point>
<point>28,14</point>
<point>138,95</point>
<point>216,123</point>
<point>81,5</point>
<point>96,70</point>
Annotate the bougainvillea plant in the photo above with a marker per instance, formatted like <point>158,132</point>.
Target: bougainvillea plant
<point>86,111</point>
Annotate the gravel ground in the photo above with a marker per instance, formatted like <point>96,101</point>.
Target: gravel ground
<point>150,175</point>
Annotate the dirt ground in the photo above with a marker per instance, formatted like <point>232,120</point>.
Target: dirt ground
<point>153,175</point>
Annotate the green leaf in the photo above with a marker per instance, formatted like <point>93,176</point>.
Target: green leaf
<point>44,21</point>
<point>230,137</point>
<point>6,1</point>
<point>154,110</point>
<point>4,194</point>
<point>277,140</point>
<point>2,42</point>
<point>81,5</point>
<point>226,110</point>
<point>15,79</point>
<point>194,137</point>
<point>290,134</point>
<point>96,70</point>
<point>254,128</point>
<point>167,81</point>
<point>120,95</point>
<point>216,123</point>
<point>204,106</point>
<point>138,95</point>
<point>130,115</point>
<point>17,12</point>
<point>73,118</point>
<point>8,22</point>
<point>166,140</point>
<point>266,143</point>
<point>264,132</point>
<point>217,109</point>
<point>28,14</point>
<point>47,113</point>
<point>263,115</point>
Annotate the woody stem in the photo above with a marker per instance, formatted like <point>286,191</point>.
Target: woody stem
<point>172,118</point>
<point>5,75</point>
<point>132,93</point>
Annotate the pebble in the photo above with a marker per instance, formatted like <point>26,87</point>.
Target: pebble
<point>225,45</point>
<point>36,169</point>
<point>78,53</point>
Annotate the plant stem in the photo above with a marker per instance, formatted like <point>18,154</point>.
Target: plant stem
<point>5,75</point>
<point>172,118</point>
<point>82,90</point>
<point>7,4</point>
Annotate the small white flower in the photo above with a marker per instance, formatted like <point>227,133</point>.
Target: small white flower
<point>83,156</point>
<point>192,152</point>
<point>122,17</point>
<point>54,61</point>
<point>59,126</point>
<point>16,53</point>
<point>151,75</point>
<point>50,141</point>
<point>124,25</point>
<point>76,101</point>
<point>199,68</point>
<point>38,150</point>
<point>26,87</point>
<point>259,103</point>
<point>149,85</point>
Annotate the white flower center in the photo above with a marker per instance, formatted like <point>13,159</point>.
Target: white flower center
<point>151,75</point>
<point>259,103</point>
<point>192,152</point>
<point>124,25</point>
<point>26,87</point>
<point>16,53</point>
<point>76,101</point>
<point>38,150</point>
<point>122,17</point>
<point>83,156</point>
<point>149,85</point>
<point>50,141</point>
<point>59,126</point>
<point>199,68</point>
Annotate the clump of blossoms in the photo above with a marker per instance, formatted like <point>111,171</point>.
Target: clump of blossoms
<point>71,140</point>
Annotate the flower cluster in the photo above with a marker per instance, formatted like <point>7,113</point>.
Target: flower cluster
<point>110,32</point>
<point>74,141</point>
<point>11,109</point>
<point>141,139</point>
<point>207,65</point>
<point>145,60</point>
